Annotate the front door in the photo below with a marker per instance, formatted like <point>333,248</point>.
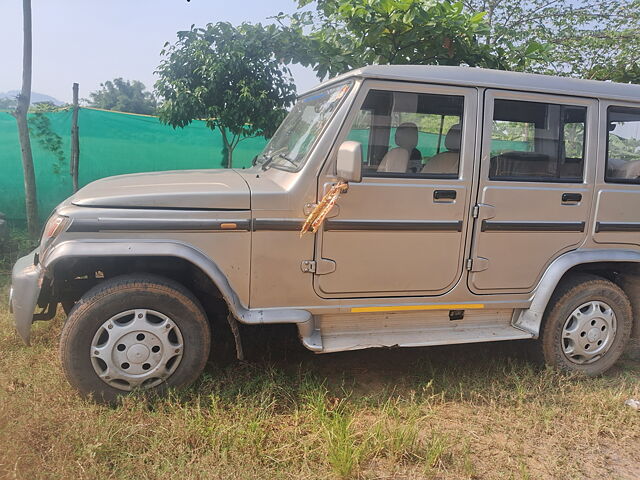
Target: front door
<point>536,187</point>
<point>401,230</point>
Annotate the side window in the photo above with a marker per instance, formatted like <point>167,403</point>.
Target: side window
<point>537,142</point>
<point>407,134</point>
<point>623,145</point>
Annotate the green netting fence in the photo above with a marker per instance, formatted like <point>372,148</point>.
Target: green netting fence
<point>111,143</point>
<point>114,143</point>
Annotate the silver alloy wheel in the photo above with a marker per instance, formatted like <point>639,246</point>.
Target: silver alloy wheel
<point>136,348</point>
<point>589,332</point>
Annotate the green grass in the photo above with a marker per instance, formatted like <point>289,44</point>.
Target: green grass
<point>463,412</point>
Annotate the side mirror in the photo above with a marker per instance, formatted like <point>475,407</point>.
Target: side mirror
<point>349,163</point>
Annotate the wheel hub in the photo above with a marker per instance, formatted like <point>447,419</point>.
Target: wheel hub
<point>593,335</point>
<point>137,353</point>
<point>136,348</point>
<point>589,332</point>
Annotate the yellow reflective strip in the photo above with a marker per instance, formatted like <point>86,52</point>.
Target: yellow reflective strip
<point>400,308</point>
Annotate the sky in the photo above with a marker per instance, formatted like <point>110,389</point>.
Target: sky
<point>91,41</point>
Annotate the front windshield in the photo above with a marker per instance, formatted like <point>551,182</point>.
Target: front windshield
<point>297,133</point>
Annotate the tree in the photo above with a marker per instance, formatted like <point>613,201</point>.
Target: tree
<point>20,113</point>
<point>345,34</point>
<point>42,131</point>
<point>597,39</point>
<point>228,76</point>
<point>124,96</point>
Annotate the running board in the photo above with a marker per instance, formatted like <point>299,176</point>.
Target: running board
<point>417,329</point>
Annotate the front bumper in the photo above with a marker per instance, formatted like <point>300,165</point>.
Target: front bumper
<point>26,283</point>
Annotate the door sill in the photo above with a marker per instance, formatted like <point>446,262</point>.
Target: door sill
<point>420,329</point>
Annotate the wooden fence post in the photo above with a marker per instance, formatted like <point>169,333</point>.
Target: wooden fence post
<point>75,142</point>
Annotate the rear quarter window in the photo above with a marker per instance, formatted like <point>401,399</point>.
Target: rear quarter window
<point>623,145</point>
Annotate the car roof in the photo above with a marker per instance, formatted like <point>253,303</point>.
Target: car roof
<point>499,79</point>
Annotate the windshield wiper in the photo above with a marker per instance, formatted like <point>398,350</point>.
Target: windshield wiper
<point>267,160</point>
<point>284,157</point>
<point>271,158</point>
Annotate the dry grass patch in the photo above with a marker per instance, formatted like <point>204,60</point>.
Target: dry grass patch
<point>468,412</point>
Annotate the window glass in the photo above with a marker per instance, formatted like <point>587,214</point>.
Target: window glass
<point>537,142</point>
<point>623,145</point>
<point>409,134</point>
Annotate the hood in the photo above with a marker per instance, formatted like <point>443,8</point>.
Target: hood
<point>201,189</point>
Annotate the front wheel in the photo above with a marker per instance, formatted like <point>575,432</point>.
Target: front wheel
<point>134,332</point>
<point>587,325</point>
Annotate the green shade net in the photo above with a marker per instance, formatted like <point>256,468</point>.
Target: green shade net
<point>114,143</point>
<point>111,143</point>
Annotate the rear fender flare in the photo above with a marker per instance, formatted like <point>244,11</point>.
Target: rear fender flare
<point>530,319</point>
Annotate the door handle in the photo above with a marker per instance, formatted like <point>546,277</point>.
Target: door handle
<point>571,197</point>
<point>444,194</point>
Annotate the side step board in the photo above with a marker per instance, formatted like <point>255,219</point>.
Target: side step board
<point>416,329</point>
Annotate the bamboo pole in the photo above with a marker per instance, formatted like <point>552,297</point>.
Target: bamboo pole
<point>75,141</point>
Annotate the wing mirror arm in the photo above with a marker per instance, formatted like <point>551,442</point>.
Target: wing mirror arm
<point>349,162</point>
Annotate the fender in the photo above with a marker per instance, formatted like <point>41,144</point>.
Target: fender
<point>530,319</point>
<point>123,248</point>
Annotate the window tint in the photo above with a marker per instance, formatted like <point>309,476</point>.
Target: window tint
<point>537,142</point>
<point>623,145</point>
<point>409,134</point>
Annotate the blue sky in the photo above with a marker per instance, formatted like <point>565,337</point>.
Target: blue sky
<point>90,41</point>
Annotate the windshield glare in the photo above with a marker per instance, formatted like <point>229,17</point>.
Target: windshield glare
<point>297,133</point>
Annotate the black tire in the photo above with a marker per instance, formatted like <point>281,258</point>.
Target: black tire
<point>573,292</point>
<point>125,293</point>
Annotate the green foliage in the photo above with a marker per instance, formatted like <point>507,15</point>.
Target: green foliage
<point>40,129</point>
<point>597,39</point>
<point>123,96</point>
<point>228,76</point>
<point>345,34</point>
<point>627,149</point>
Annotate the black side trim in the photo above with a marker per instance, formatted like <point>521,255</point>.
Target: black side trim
<point>276,224</point>
<point>170,209</point>
<point>489,226</point>
<point>395,225</point>
<point>150,224</point>
<point>617,227</point>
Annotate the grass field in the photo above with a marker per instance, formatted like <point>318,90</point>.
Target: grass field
<point>463,412</point>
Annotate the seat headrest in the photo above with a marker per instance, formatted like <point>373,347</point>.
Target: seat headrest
<point>453,138</point>
<point>407,135</point>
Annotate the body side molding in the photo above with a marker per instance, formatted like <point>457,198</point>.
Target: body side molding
<point>152,224</point>
<point>530,318</point>
<point>392,225</point>
<point>518,226</point>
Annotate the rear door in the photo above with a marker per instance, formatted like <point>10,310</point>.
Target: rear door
<point>535,187</point>
<point>401,230</point>
<point>617,215</point>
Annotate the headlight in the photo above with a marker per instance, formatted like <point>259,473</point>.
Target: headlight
<point>54,227</point>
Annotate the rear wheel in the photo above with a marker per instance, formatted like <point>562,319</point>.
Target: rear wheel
<point>586,326</point>
<point>131,333</point>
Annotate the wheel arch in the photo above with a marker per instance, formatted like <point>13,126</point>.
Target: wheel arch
<point>83,249</point>
<point>71,257</point>
<point>620,266</point>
